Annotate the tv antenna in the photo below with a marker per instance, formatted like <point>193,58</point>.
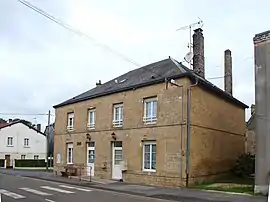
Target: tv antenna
<point>189,55</point>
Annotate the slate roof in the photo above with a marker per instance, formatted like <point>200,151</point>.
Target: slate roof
<point>20,121</point>
<point>148,75</point>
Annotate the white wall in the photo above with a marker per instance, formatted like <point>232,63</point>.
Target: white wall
<point>19,131</point>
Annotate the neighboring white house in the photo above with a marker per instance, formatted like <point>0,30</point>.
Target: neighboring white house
<point>20,141</point>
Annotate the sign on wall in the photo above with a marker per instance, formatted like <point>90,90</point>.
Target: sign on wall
<point>58,158</point>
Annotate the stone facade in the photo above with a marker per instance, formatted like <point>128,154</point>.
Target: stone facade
<point>217,134</point>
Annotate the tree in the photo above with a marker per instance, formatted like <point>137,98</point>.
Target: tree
<point>24,121</point>
<point>3,120</point>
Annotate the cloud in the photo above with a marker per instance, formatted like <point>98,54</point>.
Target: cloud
<point>42,63</point>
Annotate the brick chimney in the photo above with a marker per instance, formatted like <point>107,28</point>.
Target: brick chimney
<point>228,71</point>
<point>198,52</point>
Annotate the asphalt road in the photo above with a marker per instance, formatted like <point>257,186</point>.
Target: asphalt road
<point>20,189</point>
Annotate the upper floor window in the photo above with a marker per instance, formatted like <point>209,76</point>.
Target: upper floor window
<point>118,115</point>
<point>10,141</point>
<point>91,118</point>
<point>26,142</point>
<point>150,110</point>
<point>70,124</point>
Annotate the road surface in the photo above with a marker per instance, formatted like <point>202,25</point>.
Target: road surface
<point>20,189</point>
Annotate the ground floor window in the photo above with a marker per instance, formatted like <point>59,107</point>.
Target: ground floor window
<point>36,157</point>
<point>70,153</point>
<point>22,156</point>
<point>149,156</point>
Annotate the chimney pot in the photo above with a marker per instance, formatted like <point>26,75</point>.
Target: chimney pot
<point>98,83</point>
<point>198,52</point>
<point>39,127</point>
<point>228,71</point>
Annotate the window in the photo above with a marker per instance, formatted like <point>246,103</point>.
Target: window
<point>118,115</point>
<point>150,111</point>
<point>10,141</point>
<point>149,156</point>
<point>22,156</point>
<point>36,157</point>
<point>26,142</point>
<point>70,124</point>
<point>91,119</point>
<point>70,153</point>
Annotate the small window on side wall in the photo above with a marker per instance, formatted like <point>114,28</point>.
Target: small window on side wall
<point>70,121</point>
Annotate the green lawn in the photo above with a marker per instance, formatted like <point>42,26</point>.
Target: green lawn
<point>229,184</point>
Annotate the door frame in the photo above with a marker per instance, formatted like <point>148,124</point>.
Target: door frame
<point>113,148</point>
<point>88,148</point>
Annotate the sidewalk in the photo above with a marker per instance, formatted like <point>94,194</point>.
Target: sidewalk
<point>148,191</point>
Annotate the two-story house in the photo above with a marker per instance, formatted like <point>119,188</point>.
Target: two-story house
<point>161,124</point>
<point>21,141</point>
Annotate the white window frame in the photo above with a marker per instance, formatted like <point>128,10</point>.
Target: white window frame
<point>152,117</point>
<point>118,121</point>
<point>70,158</point>
<point>36,157</point>
<point>10,141</point>
<point>26,140</point>
<point>23,156</point>
<point>151,147</point>
<point>91,118</point>
<point>70,126</point>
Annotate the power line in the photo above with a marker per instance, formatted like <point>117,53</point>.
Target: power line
<point>24,114</point>
<point>76,31</point>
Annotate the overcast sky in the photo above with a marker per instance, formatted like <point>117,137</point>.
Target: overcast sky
<point>43,64</point>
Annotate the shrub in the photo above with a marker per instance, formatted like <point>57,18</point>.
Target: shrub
<point>2,162</point>
<point>30,163</point>
<point>244,166</point>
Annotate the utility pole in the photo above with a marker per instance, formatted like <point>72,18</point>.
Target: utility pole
<point>47,137</point>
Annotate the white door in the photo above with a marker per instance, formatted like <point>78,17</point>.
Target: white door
<point>91,159</point>
<point>117,156</point>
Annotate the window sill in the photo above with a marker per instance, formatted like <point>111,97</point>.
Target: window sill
<point>26,146</point>
<point>117,126</point>
<point>149,123</point>
<point>90,128</point>
<point>10,145</point>
<point>149,170</point>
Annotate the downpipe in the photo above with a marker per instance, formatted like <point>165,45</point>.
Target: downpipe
<point>188,132</point>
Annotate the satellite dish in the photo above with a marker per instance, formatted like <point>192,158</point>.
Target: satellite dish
<point>188,57</point>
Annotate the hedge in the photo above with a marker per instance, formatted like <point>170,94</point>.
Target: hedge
<point>2,163</point>
<point>30,163</point>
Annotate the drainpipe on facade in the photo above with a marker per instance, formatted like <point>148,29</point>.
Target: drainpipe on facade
<point>188,131</point>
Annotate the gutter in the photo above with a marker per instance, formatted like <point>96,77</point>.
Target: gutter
<point>188,131</point>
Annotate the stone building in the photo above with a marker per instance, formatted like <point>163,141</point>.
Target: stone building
<point>250,133</point>
<point>161,124</point>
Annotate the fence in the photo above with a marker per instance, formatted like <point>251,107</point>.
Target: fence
<point>80,171</point>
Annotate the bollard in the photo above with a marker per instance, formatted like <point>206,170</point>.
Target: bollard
<point>90,173</point>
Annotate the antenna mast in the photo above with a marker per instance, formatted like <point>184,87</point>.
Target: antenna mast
<point>200,22</point>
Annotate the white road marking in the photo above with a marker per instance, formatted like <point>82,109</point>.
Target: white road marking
<point>77,188</point>
<point>47,200</point>
<point>35,191</point>
<point>11,194</point>
<point>56,189</point>
<point>96,189</point>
